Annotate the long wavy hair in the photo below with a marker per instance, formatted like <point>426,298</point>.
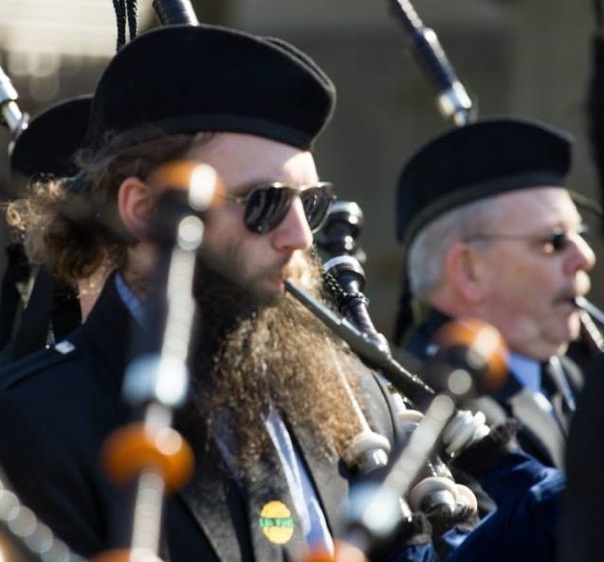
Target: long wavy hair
<point>71,224</point>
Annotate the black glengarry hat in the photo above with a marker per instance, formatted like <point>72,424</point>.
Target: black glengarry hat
<point>180,79</point>
<point>478,160</point>
<point>52,138</point>
<point>463,165</point>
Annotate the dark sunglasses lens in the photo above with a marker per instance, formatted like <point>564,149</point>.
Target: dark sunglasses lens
<point>559,241</point>
<point>316,202</point>
<point>266,207</point>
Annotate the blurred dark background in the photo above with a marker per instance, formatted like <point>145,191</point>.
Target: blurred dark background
<point>524,57</point>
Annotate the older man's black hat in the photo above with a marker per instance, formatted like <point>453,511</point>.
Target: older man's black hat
<point>466,164</point>
<point>180,79</point>
<point>52,138</point>
<point>46,147</point>
<point>485,158</point>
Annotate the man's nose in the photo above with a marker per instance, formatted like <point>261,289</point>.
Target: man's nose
<point>583,257</point>
<point>293,233</point>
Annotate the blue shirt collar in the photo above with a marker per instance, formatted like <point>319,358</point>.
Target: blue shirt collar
<point>526,371</point>
<point>132,302</point>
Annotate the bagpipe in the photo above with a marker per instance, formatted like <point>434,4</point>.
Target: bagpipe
<point>11,114</point>
<point>472,357</point>
<point>414,478</point>
<point>18,271</point>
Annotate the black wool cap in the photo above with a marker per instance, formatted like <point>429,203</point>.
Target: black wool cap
<point>181,79</point>
<point>51,140</point>
<point>475,161</point>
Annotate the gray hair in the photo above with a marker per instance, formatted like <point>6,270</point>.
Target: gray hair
<point>426,255</point>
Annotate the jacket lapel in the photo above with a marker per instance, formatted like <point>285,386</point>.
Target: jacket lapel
<point>276,528</point>
<point>112,347</point>
<point>537,425</point>
<point>327,474</point>
<point>212,495</point>
<point>331,477</point>
<point>207,498</point>
<point>242,514</point>
<point>540,423</point>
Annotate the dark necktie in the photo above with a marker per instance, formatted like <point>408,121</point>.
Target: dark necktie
<point>275,528</point>
<point>558,391</point>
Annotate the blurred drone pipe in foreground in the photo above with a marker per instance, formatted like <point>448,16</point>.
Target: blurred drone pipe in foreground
<point>452,99</point>
<point>10,114</point>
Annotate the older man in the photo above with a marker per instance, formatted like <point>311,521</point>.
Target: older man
<point>491,232</point>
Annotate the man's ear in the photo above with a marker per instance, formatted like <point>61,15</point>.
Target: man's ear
<point>464,271</point>
<point>136,206</point>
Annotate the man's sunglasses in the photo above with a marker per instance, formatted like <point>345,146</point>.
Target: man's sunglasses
<point>556,241</point>
<point>267,205</point>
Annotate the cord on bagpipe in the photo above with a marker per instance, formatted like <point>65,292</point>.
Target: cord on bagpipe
<point>168,12</point>
<point>126,12</point>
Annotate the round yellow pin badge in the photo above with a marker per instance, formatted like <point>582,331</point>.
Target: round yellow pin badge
<point>276,522</point>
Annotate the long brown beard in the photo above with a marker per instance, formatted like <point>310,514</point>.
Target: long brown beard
<point>249,355</point>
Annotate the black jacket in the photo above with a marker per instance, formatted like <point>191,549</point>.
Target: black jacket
<point>581,529</point>
<point>57,408</point>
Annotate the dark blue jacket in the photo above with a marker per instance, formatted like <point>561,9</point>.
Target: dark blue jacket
<point>525,525</point>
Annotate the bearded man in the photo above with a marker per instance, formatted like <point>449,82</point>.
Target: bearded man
<point>275,400</point>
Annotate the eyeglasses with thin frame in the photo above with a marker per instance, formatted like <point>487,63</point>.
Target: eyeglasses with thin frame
<point>552,243</point>
<point>266,206</point>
